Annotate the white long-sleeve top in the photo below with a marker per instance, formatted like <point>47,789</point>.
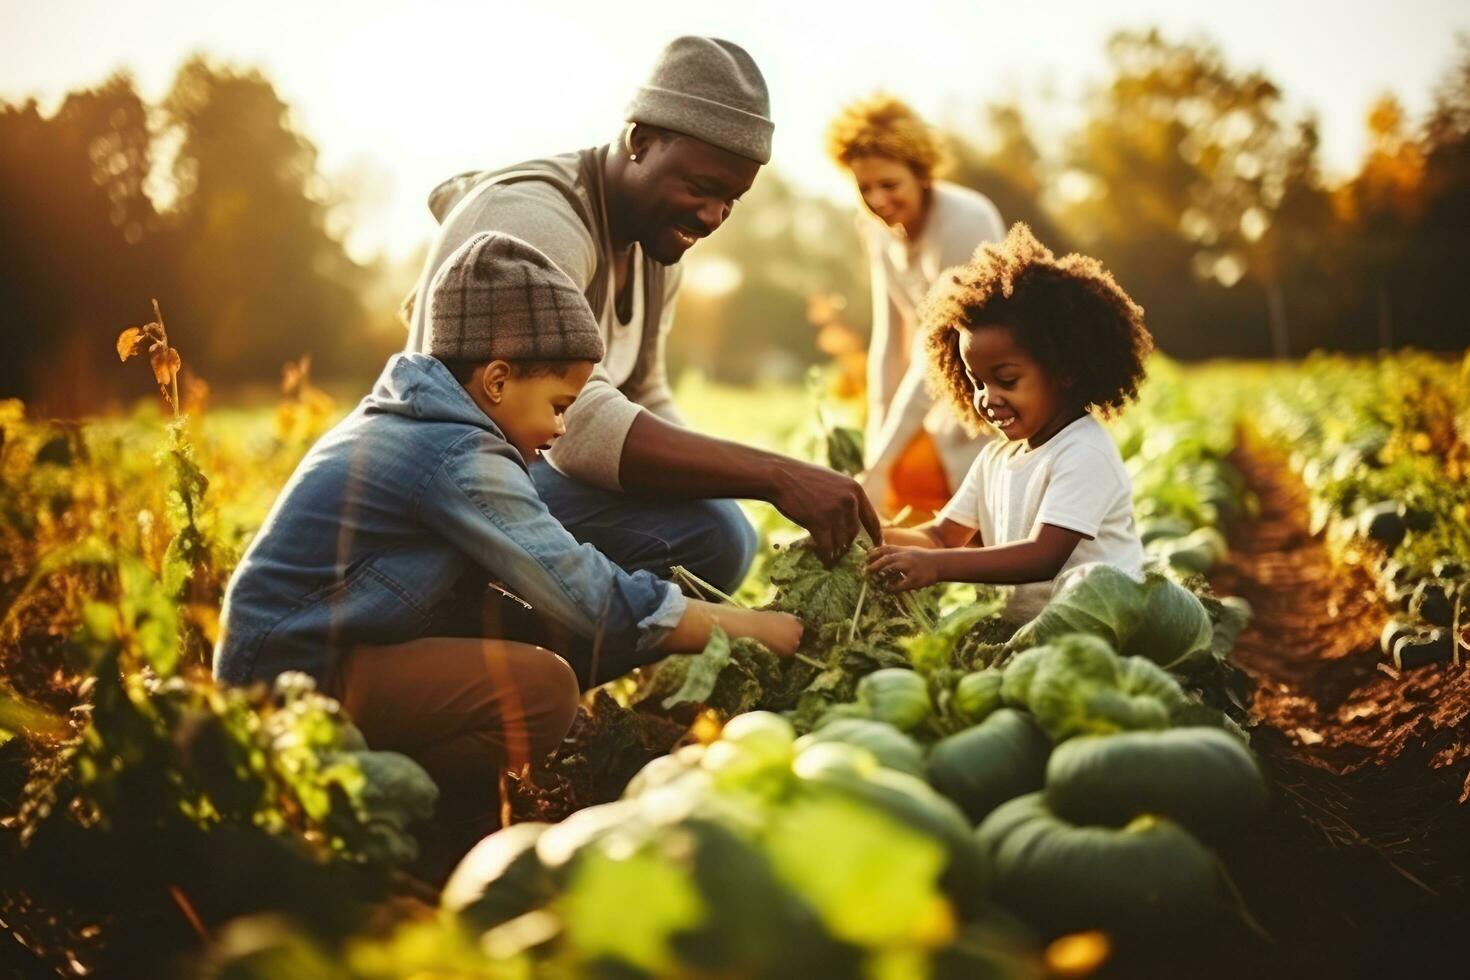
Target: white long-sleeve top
<point>902,271</point>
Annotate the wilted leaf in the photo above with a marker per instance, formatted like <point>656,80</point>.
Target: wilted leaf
<point>703,671</point>
<point>131,341</point>
<point>165,365</point>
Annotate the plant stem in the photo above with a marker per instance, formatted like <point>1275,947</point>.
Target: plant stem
<point>857,613</point>
<point>173,375</point>
<point>690,579</point>
<point>810,661</point>
<point>912,605</point>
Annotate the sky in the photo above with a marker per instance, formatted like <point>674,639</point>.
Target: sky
<point>399,95</point>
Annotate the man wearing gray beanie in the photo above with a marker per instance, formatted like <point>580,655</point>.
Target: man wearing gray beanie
<point>629,476</point>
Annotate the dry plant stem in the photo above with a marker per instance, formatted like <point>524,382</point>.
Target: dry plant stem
<point>688,578</point>
<point>857,612</point>
<point>810,661</point>
<point>1357,839</point>
<point>174,380</point>
<point>190,915</point>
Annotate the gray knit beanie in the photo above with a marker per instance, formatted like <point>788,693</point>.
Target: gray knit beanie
<point>498,298</point>
<point>709,89</point>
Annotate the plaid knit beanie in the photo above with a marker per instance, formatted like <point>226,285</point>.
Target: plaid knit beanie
<point>709,89</point>
<point>498,298</point>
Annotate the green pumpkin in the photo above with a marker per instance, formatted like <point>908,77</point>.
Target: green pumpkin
<point>1200,777</point>
<point>978,694</point>
<point>896,695</point>
<point>500,878</point>
<point>1167,526</point>
<point>997,760</point>
<point>1174,624</point>
<point>1015,684</point>
<point>892,748</point>
<point>1082,687</point>
<point>1147,878</point>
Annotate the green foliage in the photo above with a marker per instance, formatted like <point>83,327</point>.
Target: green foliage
<point>935,649</point>
<point>756,855</point>
<point>702,671</point>
<point>845,449</point>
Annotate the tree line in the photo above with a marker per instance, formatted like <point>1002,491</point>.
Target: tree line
<point>1187,176</point>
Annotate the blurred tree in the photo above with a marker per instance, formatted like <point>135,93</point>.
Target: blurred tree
<point>1296,256</point>
<point>80,244</point>
<point>1172,180</point>
<point>261,281</point>
<point>746,288</point>
<point>1440,301</point>
<point>1381,207</point>
<point>1001,160</point>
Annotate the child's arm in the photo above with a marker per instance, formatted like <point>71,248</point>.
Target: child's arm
<point>780,632</point>
<point>938,533</point>
<point>1035,560</point>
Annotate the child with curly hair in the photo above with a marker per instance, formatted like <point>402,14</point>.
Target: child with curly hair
<point>1036,348</point>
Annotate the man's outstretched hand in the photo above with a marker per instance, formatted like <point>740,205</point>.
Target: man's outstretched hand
<point>667,461</point>
<point>831,507</point>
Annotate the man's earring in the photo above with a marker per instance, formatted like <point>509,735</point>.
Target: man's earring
<point>628,144</point>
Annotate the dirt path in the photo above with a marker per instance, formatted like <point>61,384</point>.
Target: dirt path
<point>1363,867</point>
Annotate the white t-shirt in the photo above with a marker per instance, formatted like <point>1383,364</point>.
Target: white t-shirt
<point>1076,480</point>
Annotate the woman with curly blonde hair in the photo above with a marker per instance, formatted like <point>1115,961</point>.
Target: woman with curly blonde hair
<point>913,226</point>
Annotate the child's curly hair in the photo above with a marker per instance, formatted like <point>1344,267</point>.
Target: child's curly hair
<point>882,125</point>
<point>1068,313</point>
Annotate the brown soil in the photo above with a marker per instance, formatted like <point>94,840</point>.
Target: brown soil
<point>1363,867</point>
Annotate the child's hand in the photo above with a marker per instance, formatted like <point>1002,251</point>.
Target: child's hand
<point>900,569</point>
<point>780,632</point>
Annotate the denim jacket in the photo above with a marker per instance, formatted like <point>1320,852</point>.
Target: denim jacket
<point>413,492</point>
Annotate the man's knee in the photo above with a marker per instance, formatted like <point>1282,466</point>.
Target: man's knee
<point>552,699</point>
<point>726,548</point>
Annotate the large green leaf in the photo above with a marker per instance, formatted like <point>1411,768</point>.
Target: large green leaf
<point>873,880</point>
<point>629,907</point>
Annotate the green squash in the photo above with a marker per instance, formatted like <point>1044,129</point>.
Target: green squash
<point>997,760</point>
<point>891,747</point>
<point>500,878</point>
<point>978,694</point>
<point>1200,777</point>
<point>1082,687</point>
<point>1167,526</point>
<point>896,695</point>
<point>1015,684</point>
<point>1198,552</point>
<point>1145,879</point>
<point>1174,625</point>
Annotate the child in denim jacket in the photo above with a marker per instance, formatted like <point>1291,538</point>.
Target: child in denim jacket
<point>368,572</point>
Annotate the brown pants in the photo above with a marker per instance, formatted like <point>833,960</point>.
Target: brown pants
<point>465,709</point>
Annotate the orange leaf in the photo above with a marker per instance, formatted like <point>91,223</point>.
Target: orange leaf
<point>130,342</point>
<point>165,365</point>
